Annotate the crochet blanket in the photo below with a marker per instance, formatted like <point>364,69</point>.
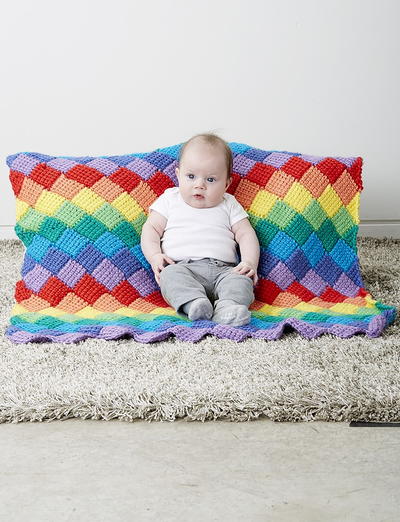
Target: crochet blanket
<point>84,274</point>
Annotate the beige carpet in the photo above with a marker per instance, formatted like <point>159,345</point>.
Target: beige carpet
<point>290,379</point>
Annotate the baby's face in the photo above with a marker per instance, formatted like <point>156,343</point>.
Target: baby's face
<point>202,175</point>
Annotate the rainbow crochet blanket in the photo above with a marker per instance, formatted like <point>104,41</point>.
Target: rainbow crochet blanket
<point>84,274</point>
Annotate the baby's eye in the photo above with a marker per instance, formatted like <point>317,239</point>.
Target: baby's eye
<point>190,175</point>
<point>211,179</point>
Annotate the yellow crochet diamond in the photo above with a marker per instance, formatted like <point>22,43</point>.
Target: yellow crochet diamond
<point>307,307</point>
<point>163,311</point>
<point>20,208</point>
<point>262,203</point>
<point>127,206</point>
<point>370,302</point>
<point>127,311</point>
<point>344,308</point>
<point>330,201</point>
<point>52,311</point>
<point>87,200</point>
<point>353,206</point>
<point>88,312</point>
<point>270,310</point>
<point>18,309</point>
<point>48,203</point>
<point>298,197</point>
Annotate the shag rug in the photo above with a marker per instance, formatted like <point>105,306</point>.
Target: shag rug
<point>289,379</point>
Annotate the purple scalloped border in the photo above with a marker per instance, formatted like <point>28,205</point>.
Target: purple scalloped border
<point>184,333</point>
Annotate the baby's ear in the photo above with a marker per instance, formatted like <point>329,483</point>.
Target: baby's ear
<point>177,171</point>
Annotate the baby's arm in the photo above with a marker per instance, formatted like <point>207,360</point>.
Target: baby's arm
<point>249,246</point>
<point>152,231</point>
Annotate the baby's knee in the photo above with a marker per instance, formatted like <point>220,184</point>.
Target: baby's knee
<point>170,270</point>
<point>237,287</point>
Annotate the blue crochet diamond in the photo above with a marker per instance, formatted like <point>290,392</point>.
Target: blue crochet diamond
<point>90,257</point>
<point>54,260</point>
<point>71,242</point>
<point>282,246</point>
<point>109,244</point>
<point>38,248</point>
<point>159,159</point>
<point>256,154</point>
<point>343,255</point>
<point>314,249</point>
<point>328,270</point>
<point>126,262</point>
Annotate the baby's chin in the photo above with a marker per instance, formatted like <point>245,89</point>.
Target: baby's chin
<point>200,202</point>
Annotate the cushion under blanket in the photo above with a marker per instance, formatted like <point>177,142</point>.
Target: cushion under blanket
<point>84,274</point>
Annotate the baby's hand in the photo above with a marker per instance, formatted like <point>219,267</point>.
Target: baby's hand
<point>157,264</point>
<point>247,268</point>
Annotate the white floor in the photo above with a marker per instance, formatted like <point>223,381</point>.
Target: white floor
<point>84,470</point>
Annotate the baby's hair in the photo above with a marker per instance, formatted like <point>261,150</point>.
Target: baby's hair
<point>214,140</point>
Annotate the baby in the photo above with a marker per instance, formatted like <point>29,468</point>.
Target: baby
<point>200,226</point>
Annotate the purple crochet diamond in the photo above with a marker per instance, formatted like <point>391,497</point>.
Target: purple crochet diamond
<point>37,278</point>
<point>311,159</point>
<point>313,282</point>
<point>142,282</point>
<point>143,168</point>
<point>345,286</point>
<point>170,172</point>
<point>71,273</point>
<point>62,164</point>
<point>282,276</point>
<point>103,165</point>
<point>277,159</point>
<point>108,274</point>
<point>24,164</point>
<point>242,165</point>
<point>346,161</point>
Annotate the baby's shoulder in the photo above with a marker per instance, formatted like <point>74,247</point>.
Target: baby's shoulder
<point>170,193</point>
<point>230,199</point>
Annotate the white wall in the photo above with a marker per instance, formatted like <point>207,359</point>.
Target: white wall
<point>311,76</point>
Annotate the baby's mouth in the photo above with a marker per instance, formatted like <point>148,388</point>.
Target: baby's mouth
<point>198,196</point>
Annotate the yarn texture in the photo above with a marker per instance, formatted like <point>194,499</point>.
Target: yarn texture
<point>84,273</point>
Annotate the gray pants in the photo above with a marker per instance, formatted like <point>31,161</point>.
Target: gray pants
<point>189,279</point>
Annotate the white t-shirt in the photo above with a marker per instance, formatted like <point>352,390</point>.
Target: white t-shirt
<point>198,232</point>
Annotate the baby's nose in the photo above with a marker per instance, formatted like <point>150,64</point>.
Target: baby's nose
<point>199,183</point>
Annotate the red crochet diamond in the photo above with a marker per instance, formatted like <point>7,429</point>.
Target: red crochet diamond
<point>22,292</point>
<point>157,299</point>
<point>16,179</point>
<point>266,291</point>
<point>331,168</point>
<point>44,175</point>
<point>54,291</point>
<point>260,173</point>
<point>332,296</point>
<point>355,172</point>
<point>296,167</point>
<point>303,293</point>
<point>125,178</point>
<point>89,289</point>
<point>85,175</point>
<point>159,182</point>
<point>125,293</point>
<point>235,180</point>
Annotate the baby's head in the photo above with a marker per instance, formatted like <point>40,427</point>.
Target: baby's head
<point>204,172</point>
